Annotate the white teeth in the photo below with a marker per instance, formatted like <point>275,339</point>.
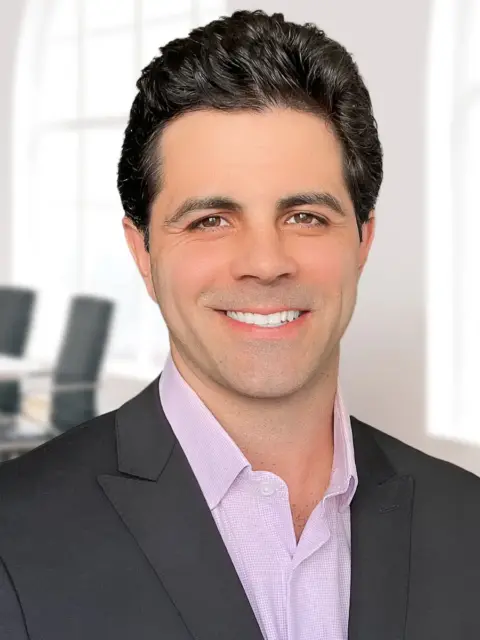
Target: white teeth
<point>269,320</point>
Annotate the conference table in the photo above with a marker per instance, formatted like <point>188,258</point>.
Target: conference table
<point>19,368</point>
<point>16,368</point>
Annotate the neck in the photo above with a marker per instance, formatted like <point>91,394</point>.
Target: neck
<point>291,436</point>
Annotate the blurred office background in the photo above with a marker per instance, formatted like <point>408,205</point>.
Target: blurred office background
<point>410,357</point>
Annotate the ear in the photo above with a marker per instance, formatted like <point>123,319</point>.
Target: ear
<point>368,234</point>
<point>136,244</point>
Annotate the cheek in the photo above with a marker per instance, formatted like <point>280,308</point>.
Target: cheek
<point>331,266</point>
<point>185,273</point>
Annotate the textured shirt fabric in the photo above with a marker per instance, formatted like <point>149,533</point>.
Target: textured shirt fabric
<point>297,591</point>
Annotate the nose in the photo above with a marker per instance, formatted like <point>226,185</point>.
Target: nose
<point>262,253</point>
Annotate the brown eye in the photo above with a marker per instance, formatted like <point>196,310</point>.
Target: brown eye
<point>207,221</point>
<point>307,217</point>
<point>203,223</point>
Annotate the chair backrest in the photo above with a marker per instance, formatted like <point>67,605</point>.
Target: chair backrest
<point>80,358</point>
<point>16,312</point>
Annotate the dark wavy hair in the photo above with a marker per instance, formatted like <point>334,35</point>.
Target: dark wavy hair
<point>250,61</point>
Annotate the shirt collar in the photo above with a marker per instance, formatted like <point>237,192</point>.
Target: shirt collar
<point>344,470</point>
<point>216,460</point>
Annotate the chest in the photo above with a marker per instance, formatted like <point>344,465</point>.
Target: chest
<point>301,512</point>
<point>290,560</point>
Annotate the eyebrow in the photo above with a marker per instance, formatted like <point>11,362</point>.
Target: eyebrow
<point>225,203</point>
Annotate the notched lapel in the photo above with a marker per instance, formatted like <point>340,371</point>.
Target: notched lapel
<point>171,522</point>
<point>381,513</point>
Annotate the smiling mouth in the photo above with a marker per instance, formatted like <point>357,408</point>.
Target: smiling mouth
<point>265,321</point>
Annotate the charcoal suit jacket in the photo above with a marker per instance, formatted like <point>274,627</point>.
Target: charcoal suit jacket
<point>105,535</point>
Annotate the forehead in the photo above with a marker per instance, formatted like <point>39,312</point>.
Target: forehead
<point>250,153</point>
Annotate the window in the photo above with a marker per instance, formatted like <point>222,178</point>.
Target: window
<point>453,226</point>
<point>77,67</point>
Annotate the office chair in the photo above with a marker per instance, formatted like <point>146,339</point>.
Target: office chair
<point>16,312</point>
<point>74,378</point>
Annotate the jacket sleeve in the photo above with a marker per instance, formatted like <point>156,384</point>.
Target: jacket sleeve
<point>12,625</point>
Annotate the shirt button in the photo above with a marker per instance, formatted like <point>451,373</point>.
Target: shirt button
<point>267,490</point>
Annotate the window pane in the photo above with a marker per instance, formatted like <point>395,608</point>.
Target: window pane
<point>58,83</point>
<point>51,248</point>
<point>109,74</point>
<point>108,13</point>
<point>108,265</point>
<point>155,36</point>
<point>63,19</point>
<point>154,343</point>
<point>102,153</point>
<point>55,169</point>
<point>110,270</point>
<point>54,244</point>
<point>155,9</point>
<point>52,236</point>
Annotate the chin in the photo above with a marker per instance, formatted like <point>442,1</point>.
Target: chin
<point>267,387</point>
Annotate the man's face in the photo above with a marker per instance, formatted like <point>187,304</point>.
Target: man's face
<point>255,251</point>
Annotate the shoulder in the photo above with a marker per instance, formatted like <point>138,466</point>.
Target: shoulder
<point>83,451</point>
<point>429,473</point>
<point>443,523</point>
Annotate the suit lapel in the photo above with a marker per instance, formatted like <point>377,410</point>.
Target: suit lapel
<point>381,514</point>
<point>159,500</point>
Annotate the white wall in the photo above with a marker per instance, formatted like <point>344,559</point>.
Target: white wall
<point>10,20</point>
<point>384,359</point>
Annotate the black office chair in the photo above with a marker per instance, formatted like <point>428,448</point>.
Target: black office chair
<point>74,378</point>
<point>16,312</point>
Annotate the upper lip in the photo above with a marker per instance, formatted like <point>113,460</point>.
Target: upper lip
<point>264,310</point>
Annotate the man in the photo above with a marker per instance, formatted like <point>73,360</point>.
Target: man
<point>235,498</point>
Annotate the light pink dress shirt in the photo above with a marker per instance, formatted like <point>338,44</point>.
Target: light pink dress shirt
<point>297,591</point>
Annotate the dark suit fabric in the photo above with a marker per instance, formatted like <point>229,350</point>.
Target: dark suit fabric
<point>105,535</point>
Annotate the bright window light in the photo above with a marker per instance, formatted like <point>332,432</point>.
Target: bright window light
<point>453,222</point>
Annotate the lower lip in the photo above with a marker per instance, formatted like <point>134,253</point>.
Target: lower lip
<point>287,329</point>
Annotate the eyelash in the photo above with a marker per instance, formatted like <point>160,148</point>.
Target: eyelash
<point>196,224</point>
